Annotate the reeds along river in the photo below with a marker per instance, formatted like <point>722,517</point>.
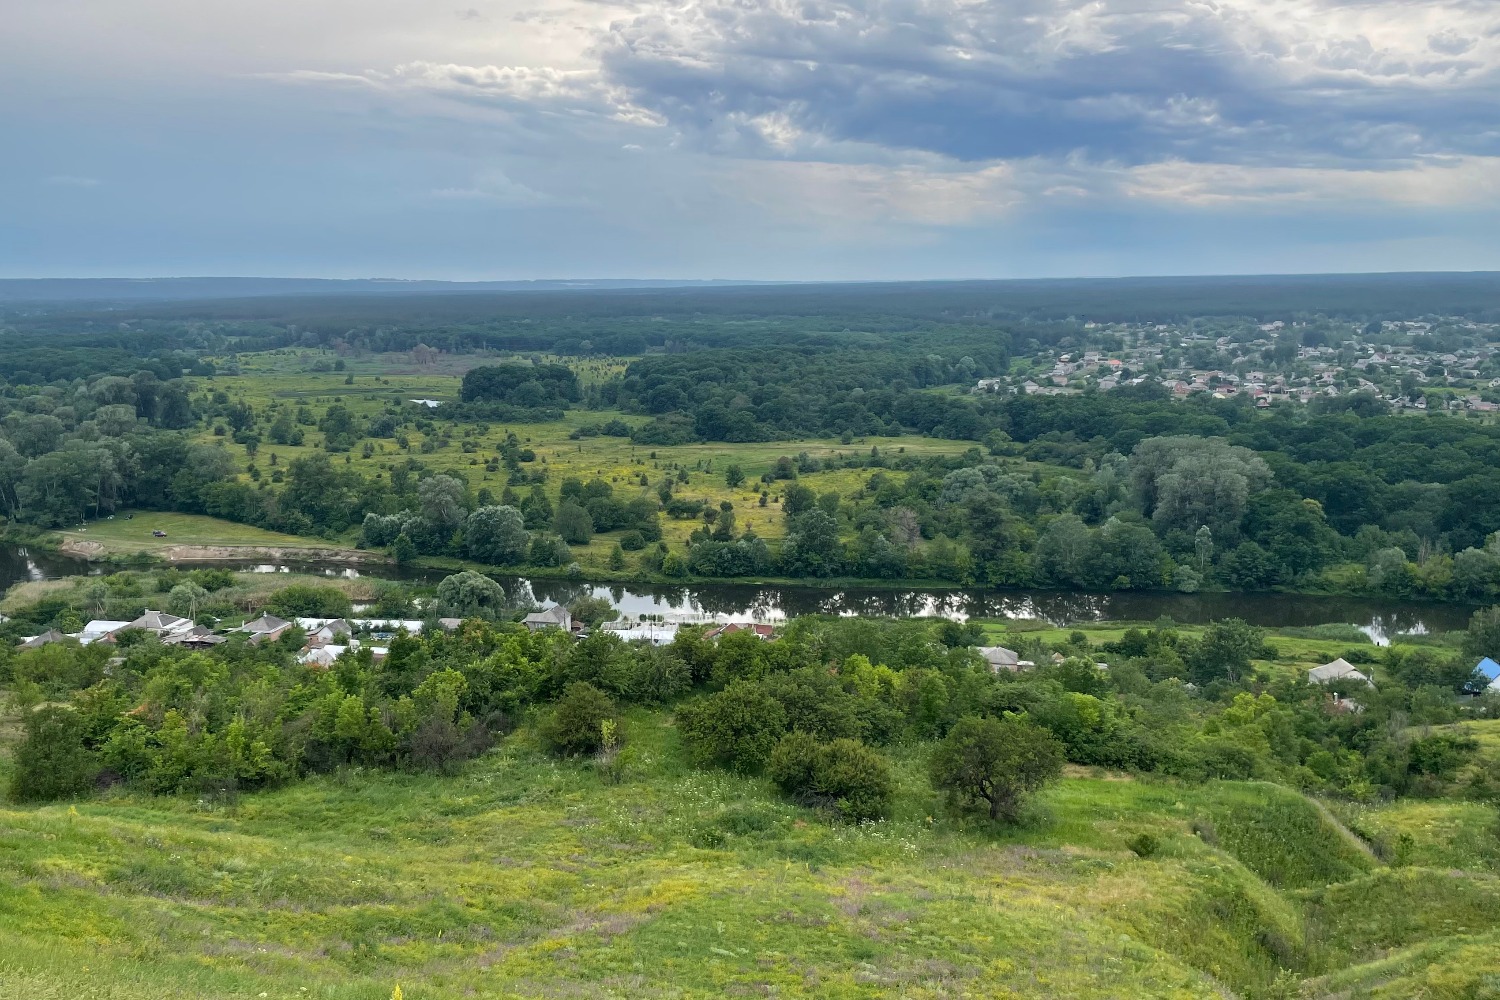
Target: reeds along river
<point>1382,618</point>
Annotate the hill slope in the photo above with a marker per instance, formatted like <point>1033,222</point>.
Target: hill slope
<point>528,877</point>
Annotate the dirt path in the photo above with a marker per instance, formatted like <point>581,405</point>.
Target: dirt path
<point>1343,831</point>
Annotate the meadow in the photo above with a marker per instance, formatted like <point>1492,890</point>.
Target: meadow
<point>525,877</point>
<point>287,378</point>
<point>132,531</point>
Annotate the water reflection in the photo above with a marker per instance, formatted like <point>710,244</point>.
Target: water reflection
<point>1379,618</point>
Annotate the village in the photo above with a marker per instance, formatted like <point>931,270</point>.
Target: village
<point>1440,364</point>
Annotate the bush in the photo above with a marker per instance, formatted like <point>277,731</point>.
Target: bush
<point>52,761</point>
<point>632,541</point>
<point>1145,845</point>
<point>736,728</point>
<point>576,725</point>
<point>845,775</point>
<point>306,600</point>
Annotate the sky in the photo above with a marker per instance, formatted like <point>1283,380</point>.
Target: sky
<point>754,139</point>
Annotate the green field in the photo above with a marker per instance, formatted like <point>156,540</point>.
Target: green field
<point>528,877</point>
<point>131,531</point>
<point>284,379</point>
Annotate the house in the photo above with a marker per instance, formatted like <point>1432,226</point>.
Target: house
<point>324,629</point>
<point>1490,671</point>
<point>37,641</point>
<point>197,637</point>
<point>160,623</point>
<point>99,629</point>
<point>265,628</point>
<point>556,616</point>
<point>656,633</point>
<point>1338,670</point>
<point>388,626</point>
<point>325,655</point>
<point>999,658</point>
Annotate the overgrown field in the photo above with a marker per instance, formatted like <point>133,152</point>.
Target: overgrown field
<point>285,379</point>
<point>529,877</point>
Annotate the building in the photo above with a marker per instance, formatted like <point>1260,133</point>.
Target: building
<point>325,655</point>
<point>324,629</point>
<point>656,633</point>
<point>1339,670</point>
<point>265,628</point>
<point>1490,671</point>
<point>999,658</point>
<point>98,629</point>
<point>196,637</point>
<point>160,623</point>
<point>555,616</point>
<point>38,641</point>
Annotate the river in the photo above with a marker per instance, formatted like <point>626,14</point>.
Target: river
<point>1381,618</point>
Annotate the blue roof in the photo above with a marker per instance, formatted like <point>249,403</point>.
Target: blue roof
<point>1489,668</point>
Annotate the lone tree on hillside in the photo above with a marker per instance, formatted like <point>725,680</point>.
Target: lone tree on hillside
<point>995,764</point>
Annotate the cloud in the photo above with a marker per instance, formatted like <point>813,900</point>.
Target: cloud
<point>497,188</point>
<point>934,113</point>
<point>1286,81</point>
<point>577,92</point>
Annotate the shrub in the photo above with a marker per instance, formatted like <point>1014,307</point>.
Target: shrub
<point>632,541</point>
<point>736,728</point>
<point>1145,845</point>
<point>576,725</point>
<point>52,761</point>
<point>309,601</point>
<point>845,775</point>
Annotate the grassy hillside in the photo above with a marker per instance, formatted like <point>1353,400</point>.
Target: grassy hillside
<point>528,877</point>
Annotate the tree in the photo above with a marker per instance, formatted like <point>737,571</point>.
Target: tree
<point>403,549</point>
<point>52,761</point>
<point>186,599</point>
<point>442,501</point>
<point>1483,636</point>
<point>1225,651</point>
<point>812,545</point>
<point>995,764</point>
<point>573,523</point>
<point>311,601</point>
<point>576,725</point>
<point>1185,482</point>
<point>497,535</point>
<point>467,594</point>
<point>593,611</point>
<point>734,477</point>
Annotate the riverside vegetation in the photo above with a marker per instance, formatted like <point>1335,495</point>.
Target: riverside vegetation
<point>857,808</point>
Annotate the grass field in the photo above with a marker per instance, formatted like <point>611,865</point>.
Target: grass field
<point>525,877</point>
<point>249,590</point>
<point>130,531</point>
